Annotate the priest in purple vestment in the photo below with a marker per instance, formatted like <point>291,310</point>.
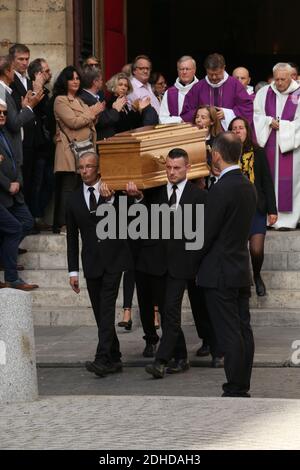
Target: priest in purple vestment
<point>218,89</point>
<point>277,126</point>
<point>174,98</point>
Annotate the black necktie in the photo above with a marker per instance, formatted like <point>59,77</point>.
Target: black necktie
<point>93,201</point>
<point>173,198</point>
<point>212,181</point>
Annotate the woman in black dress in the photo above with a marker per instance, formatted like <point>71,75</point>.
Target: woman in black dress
<point>254,165</point>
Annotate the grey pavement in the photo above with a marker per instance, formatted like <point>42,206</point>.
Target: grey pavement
<point>72,346</point>
<point>131,410</point>
<point>145,422</point>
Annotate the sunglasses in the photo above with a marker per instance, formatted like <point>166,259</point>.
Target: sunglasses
<point>3,113</point>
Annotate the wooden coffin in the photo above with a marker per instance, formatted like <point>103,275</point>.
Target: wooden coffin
<point>139,155</point>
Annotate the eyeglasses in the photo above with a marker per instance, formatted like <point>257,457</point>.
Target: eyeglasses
<point>143,68</point>
<point>87,167</point>
<point>3,113</point>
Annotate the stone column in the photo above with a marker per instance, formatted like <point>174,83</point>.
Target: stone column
<point>18,376</point>
<point>45,26</point>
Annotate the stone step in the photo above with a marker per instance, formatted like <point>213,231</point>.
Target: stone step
<point>67,298</point>
<point>275,242</point>
<point>83,316</point>
<point>45,242</point>
<point>59,278</point>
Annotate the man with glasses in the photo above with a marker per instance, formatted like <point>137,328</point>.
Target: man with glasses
<point>174,98</point>
<point>103,262</point>
<point>141,69</point>
<point>218,89</point>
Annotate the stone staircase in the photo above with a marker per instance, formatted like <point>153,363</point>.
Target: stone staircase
<point>54,303</point>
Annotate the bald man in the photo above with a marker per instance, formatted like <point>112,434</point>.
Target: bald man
<point>242,75</point>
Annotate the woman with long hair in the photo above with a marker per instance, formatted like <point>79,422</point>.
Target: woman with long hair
<point>254,165</point>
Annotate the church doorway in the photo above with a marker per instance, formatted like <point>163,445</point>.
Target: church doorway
<point>254,34</point>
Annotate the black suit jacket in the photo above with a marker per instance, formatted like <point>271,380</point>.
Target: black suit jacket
<point>266,200</point>
<point>9,173</point>
<point>18,92</point>
<point>97,256</point>
<point>229,211</point>
<point>157,257</point>
<point>16,119</point>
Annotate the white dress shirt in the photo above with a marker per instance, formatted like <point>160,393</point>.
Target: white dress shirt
<point>179,190</point>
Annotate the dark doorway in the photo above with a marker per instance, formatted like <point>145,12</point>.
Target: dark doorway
<point>255,34</point>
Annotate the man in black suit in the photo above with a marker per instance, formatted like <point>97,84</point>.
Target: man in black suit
<point>15,218</point>
<point>20,86</point>
<point>103,262</point>
<point>92,82</point>
<point>16,119</point>
<point>224,270</point>
<point>165,264</point>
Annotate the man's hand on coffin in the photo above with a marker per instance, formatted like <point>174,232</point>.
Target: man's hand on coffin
<point>105,192</point>
<point>133,191</point>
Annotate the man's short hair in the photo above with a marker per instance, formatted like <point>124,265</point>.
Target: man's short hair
<point>282,66</point>
<point>88,75</point>
<point>184,58</point>
<point>214,61</point>
<point>178,153</point>
<point>18,48</point>
<point>139,57</point>
<point>5,64</point>
<point>89,154</point>
<point>35,67</point>
<point>229,146</point>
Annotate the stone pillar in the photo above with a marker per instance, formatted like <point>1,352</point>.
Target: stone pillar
<point>45,26</point>
<point>8,31</point>
<point>18,376</point>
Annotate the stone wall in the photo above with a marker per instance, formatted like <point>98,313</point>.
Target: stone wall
<point>45,26</point>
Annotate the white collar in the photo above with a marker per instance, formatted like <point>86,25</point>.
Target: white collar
<point>91,93</point>
<point>140,84</point>
<point>6,87</point>
<point>95,186</point>
<point>217,85</point>
<point>293,87</point>
<point>20,76</point>
<point>179,185</point>
<point>185,88</point>
<point>229,168</point>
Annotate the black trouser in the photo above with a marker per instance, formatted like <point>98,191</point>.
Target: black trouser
<point>200,313</point>
<point>172,343</point>
<point>230,316</point>
<point>150,289</point>
<point>103,294</point>
<point>128,288</point>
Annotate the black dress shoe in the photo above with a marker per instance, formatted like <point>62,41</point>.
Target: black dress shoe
<point>101,370</point>
<point>203,351</point>
<point>179,366</point>
<point>157,369</point>
<point>260,286</point>
<point>149,350</point>
<point>217,362</point>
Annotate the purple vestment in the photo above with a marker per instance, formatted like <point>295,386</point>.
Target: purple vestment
<point>285,160</point>
<point>230,95</point>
